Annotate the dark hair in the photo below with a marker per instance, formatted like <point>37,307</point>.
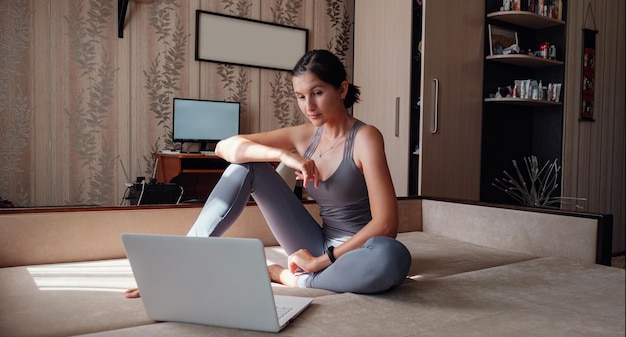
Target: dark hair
<point>328,68</point>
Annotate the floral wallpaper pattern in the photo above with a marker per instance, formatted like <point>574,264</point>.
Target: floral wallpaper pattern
<point>15,106</point>
<point>285,13</point>
<point>162,79</point>
<point>88,114</point>
<point>75,99</point>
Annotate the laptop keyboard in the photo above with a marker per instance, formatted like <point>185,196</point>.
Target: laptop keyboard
<point>282,311</point>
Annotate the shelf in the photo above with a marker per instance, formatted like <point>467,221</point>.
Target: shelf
<point>525,60</point>
<point>525,19</point>
<point>522,102</point>
<point>513,127</point>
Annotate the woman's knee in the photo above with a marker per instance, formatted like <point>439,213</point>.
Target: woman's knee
<point>382,264</point>
<point>391,256</point>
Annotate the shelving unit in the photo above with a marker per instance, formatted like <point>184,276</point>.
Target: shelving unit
<point>525,60</point>
<point>416,98</point>
<point>514,128</point>
<point>522,101</point>
<point>525,19</point>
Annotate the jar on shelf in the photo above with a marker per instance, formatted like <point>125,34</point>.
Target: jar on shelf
<point>543,50</point>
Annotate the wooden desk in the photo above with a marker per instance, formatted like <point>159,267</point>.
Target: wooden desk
<point>196,173</point>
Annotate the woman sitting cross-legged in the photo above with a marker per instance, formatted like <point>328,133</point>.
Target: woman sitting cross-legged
<point>342,164</point>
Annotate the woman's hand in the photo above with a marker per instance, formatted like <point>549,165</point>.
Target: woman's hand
<point>306,169</point>
<point>303,261</point>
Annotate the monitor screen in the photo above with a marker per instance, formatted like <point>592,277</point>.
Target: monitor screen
<point>203,120</point>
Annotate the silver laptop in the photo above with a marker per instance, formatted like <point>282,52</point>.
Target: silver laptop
<point>212,281</point>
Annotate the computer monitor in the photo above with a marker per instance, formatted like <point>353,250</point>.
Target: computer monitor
<point>204,121</point>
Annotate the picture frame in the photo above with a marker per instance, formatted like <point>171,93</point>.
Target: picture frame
<point>500,39</point>
<point>247,42</point>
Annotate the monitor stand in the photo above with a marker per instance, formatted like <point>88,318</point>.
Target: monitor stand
<point>181,148</point>
<point>188,152</point>
<point>204,147</point>
<point>207,146</point>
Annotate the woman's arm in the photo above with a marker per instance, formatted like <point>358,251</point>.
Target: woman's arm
<point>258,147</point>
<point>369,155</point>
<point>273,146</point>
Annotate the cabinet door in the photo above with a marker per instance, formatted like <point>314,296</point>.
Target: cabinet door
<point>451,116</point>
<point>382,68</point>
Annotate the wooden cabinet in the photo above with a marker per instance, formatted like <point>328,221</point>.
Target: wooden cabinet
<point>451,118</point>
<point>382,68</point>
<point>447,160</point>
<point>513,127</point>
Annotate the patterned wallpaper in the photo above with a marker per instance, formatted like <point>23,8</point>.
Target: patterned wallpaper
<point>75,99</point>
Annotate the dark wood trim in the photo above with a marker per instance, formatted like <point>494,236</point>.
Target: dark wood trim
<point>60,209</point>
<point>604,245</point>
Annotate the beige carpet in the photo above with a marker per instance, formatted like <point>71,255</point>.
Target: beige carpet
<point>618,261</point>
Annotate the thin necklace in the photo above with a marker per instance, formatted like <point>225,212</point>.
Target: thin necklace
<point>330,148</point>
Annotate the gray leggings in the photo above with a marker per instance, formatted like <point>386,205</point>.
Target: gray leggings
<point>381,264</point>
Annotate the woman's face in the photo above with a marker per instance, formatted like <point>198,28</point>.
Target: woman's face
<point>318,100</point>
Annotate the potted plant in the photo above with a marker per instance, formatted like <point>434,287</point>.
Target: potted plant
<point>536,187</point>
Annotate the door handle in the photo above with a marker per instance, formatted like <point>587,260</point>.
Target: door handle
<point>397,125</point>
<point>436,112</point>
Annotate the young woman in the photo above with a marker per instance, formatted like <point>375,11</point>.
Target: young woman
<point>342,164</point>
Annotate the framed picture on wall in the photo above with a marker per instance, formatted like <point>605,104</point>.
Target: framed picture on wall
<point>500,39</point>
<point>241,41</point>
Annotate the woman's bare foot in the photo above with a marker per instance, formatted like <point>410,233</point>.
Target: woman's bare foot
<point>281,275</point>
<point>275,271</point>
<point>132,293</point>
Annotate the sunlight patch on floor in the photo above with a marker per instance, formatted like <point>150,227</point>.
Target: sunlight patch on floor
<point>275,255</point>
<point>109,275</point>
